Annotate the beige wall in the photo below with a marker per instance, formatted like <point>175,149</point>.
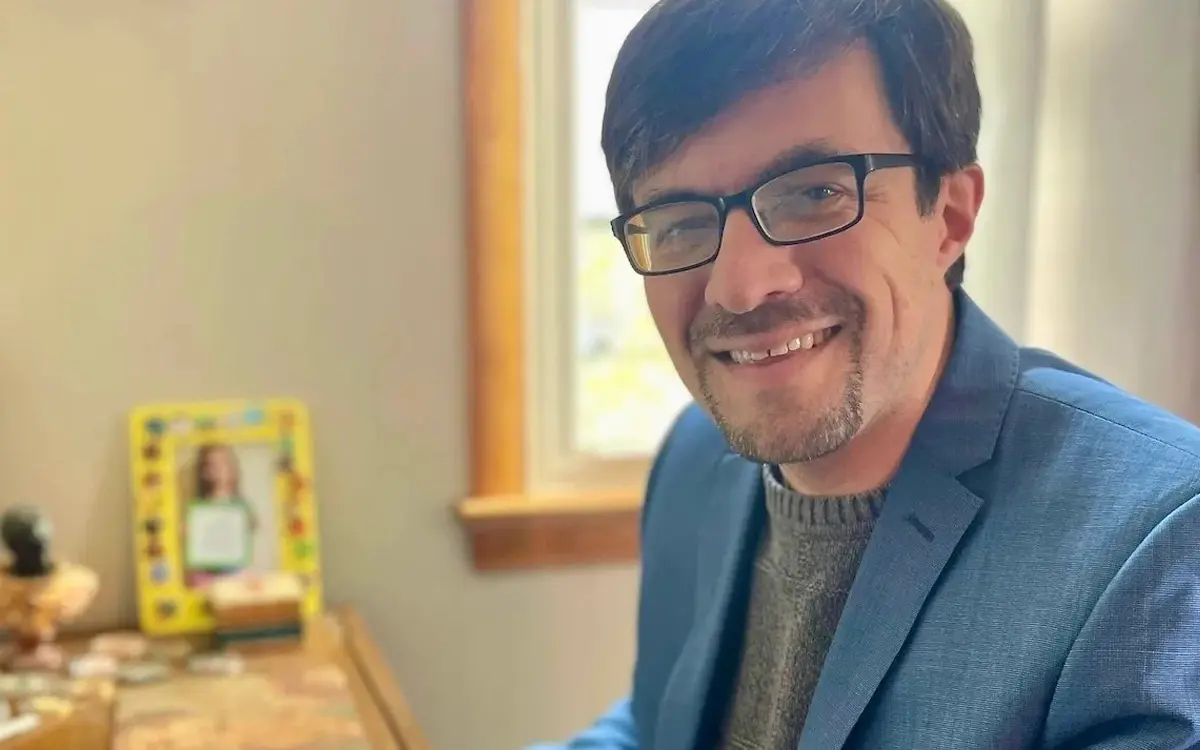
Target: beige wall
<point>205,199</point>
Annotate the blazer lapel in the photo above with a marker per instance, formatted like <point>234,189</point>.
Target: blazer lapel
<point>924,517</point>
<point>689,713</point>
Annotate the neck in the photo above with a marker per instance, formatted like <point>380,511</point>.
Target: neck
<point>872,456</point>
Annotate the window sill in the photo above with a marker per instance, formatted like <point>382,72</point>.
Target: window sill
<point>522,532</point>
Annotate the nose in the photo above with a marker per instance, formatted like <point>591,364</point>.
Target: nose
<point>749,271</point>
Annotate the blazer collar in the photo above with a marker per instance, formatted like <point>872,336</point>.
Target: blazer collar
<point>962,422</point>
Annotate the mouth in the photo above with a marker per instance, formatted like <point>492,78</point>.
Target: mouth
<point>792,348</point>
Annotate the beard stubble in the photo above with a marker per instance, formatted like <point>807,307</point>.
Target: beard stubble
<point>782,426</point>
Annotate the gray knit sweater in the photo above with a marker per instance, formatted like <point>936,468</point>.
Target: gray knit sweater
<point>808,558</point>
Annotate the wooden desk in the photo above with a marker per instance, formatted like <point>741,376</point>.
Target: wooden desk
<point>387,717</point>
<point>88,728</point>
<point>340,638</point>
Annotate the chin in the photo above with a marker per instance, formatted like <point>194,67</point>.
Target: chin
<point>792,413</point>
<point>788,436</point>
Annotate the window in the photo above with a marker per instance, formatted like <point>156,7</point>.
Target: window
<point>571,389</point>
<point>626,392</point>
<point>602,390</point>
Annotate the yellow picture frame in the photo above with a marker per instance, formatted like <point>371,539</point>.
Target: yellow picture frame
<point>265,448</point>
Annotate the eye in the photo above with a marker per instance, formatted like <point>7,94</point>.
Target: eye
<point>683,230</point>
<point>820,193</point>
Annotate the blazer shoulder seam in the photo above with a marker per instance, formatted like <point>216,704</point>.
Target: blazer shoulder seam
<point>1108,420</point>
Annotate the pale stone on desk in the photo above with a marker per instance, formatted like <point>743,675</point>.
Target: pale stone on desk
<point>34,608</point>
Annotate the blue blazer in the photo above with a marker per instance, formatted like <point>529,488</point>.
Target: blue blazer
<point>1032,582</point>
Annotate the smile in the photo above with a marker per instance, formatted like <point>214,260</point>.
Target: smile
<point>807,342</point>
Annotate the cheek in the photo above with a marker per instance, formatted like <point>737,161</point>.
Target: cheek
<point>897,282</point>
<point>674,302</point>
<point>869,264</point>
<point>668,298</point>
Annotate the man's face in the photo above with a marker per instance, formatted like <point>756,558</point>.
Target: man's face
<point>872,298</point>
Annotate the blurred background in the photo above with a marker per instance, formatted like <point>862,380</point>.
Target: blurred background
<point>231,198</point>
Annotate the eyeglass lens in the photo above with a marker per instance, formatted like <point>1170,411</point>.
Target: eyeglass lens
<point>793,207</point>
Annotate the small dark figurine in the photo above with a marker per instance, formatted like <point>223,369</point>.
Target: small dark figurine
<point>36,593</point>
<point>26,533</point>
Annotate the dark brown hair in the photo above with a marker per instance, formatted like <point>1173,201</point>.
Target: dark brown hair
<point>687,61</point>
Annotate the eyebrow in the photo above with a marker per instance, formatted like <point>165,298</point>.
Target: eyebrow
<point>803,155</point>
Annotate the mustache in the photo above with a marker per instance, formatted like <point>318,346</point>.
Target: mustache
<point>717,322</point>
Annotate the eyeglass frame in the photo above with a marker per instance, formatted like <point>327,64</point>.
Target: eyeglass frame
<point>862,164</point>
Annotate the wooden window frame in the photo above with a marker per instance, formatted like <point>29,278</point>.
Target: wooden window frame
<point>507,526</point>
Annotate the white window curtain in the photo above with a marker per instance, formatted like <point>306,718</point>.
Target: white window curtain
<point>1113,267</point>
<point>1087,243</point>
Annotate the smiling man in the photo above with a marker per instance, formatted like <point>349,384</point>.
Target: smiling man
<point>884,524</point>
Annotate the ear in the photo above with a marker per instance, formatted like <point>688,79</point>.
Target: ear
<point>958,206</point>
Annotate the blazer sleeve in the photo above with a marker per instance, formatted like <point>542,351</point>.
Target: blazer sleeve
<point>614,730</point>
<point>617,728</point>
<point>1132,677</point>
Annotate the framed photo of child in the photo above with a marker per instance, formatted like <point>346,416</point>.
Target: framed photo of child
<point>220,489</point>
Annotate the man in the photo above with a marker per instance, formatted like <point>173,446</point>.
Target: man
<point>885,525</point>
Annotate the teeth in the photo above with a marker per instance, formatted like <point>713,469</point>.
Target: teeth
<point>807,341</point>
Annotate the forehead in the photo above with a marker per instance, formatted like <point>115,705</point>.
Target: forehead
<point>842,106</point>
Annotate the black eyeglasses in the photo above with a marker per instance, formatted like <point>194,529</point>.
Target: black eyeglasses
<point>804,205</point>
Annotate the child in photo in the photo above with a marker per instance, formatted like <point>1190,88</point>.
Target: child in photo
<point>218,480</point>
